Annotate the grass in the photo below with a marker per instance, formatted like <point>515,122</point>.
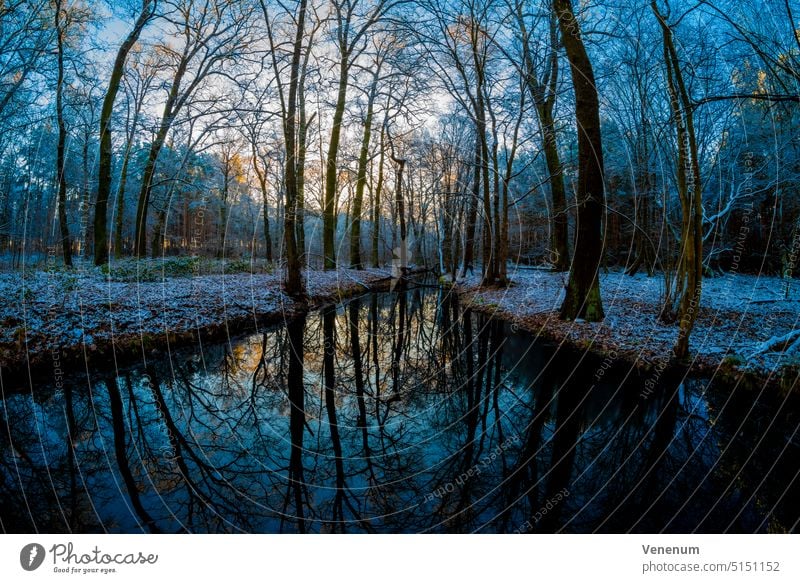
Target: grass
<point>160,268</point>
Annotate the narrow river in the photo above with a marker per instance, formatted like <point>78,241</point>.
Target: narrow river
<point>395,412</point>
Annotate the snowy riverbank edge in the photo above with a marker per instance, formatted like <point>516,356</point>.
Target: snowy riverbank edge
<point>68,320</point>
<point>737,337</point>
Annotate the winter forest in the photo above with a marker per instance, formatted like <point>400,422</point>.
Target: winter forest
<point>512,225</point>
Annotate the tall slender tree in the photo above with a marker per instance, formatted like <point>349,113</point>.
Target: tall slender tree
<point>541,79</point>
<point>138,83</point>
<point>352,25</point>
<point>361,174</point>
<point>583,299</point>
<point>689,272</point>
<point>63,19</point>
<point>146,14</point>
<point>212,34</point>
<point>293,281</point>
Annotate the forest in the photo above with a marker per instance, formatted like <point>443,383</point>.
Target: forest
<point>622,135</point>
<point>616,177</point>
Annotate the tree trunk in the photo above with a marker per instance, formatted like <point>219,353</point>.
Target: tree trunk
<point>267,234</point>
<point>262,183</point>
<point>560,220</point>
<point>66,243</point>
<point>85,204</point>
<point>401,215</point>
<point>140,238</point>
<point>361,180</point>
<point>502,274</point>
<point>472,213</point>
<point>294,282</point>
<point>446,221</point>
<point>302,136</point>
<point>105,161</point>
<point>488,230</point>
<point>120,211</point>
<point>157,245</point>
<point>376,204</point>
<point>488,234</point>
<point>223,213</point>
<point>582,298</point>
<point>543,93</point>
<point>689,272</point>
<point>331,174</point>
<point>644,254</point>
<point>496,213</point>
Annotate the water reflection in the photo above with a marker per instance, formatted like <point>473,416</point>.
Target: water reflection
<point>396,412</point>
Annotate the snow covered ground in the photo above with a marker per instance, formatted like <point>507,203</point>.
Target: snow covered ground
<point>738,315</point>
<point>71,316</point>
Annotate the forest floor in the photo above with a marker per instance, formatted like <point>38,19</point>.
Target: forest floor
<point>739,317</point>
<point>73,317</point>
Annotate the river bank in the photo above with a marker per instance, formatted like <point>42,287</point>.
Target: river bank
<point>739,317</point>
<point>73,319</point>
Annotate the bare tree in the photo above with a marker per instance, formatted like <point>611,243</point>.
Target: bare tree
<point>212,34</point>
<point>361,178</point>
<point>689,272</point>
<point>24,42</point>
<point>582,299</point>
<point>143,73</point>
<point>540,73</point>
<point>288,96</point>
<point>67,20</point>
<point>353,19</point>
<point>146,14</point>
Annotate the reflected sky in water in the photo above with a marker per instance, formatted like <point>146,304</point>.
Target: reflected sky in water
<point>395,412</point>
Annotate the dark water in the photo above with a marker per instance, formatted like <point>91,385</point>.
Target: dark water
<point>395,413</point>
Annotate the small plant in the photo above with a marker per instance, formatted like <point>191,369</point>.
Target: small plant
<point>180,266</point>
<point>71,283</point>
<point>237,266</point>
<point>733,360</point>
<point>19,335</point>
<point>446,281</point>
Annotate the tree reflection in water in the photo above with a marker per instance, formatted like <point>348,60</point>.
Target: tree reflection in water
<point>395,412</point>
